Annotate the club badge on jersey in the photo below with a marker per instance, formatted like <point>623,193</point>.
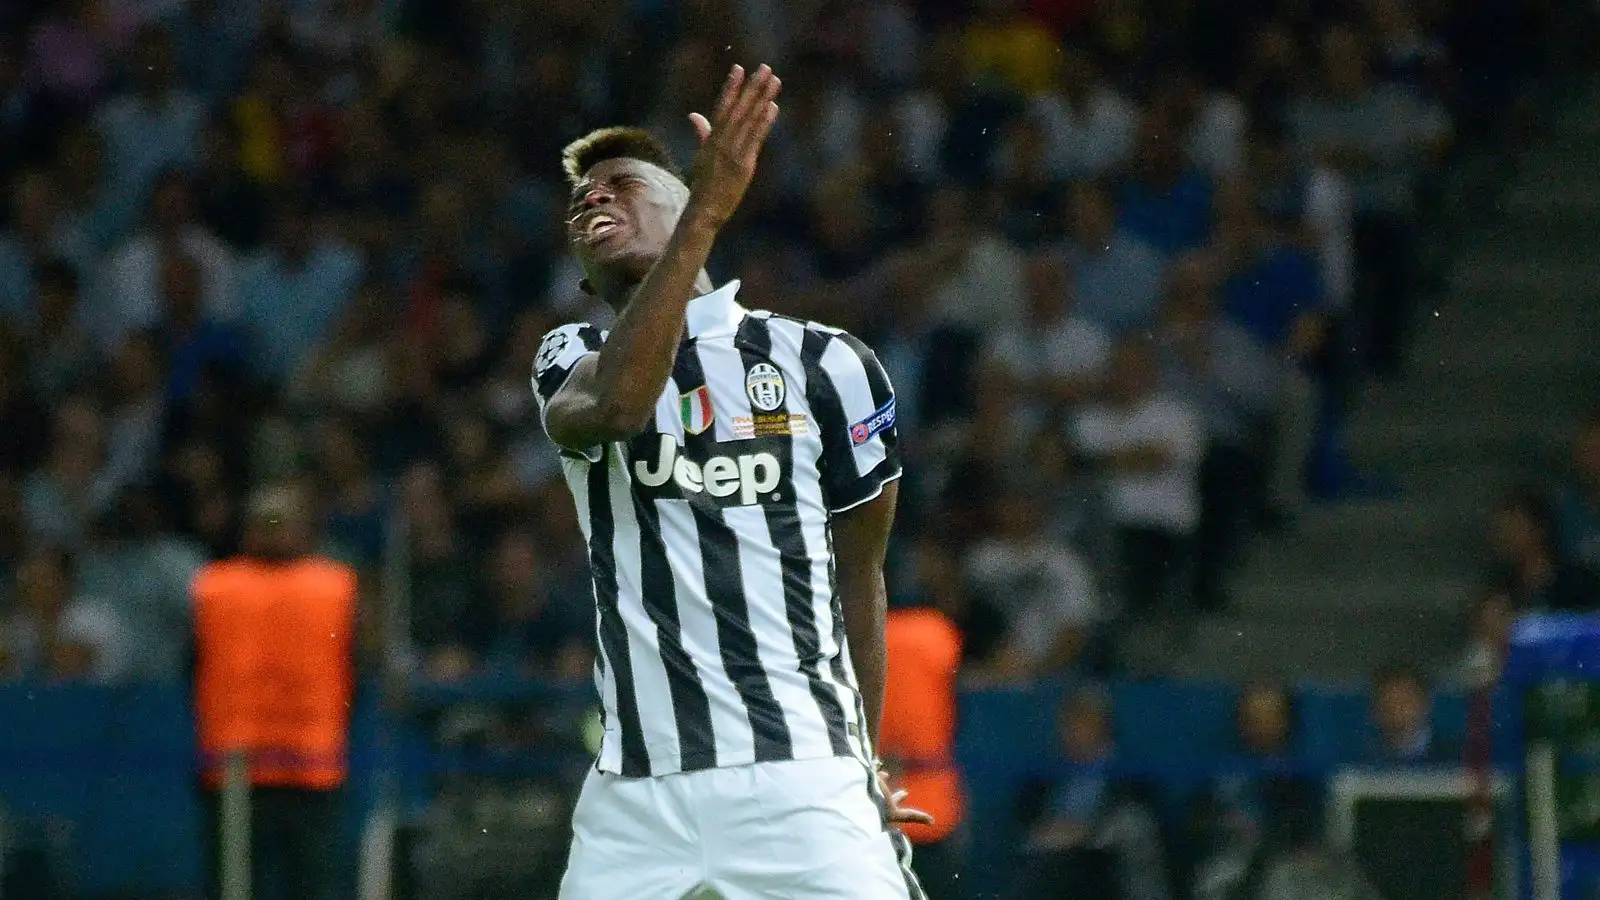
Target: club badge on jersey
<point>763,384</point>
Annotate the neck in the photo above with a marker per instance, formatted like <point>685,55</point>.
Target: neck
<point>619,294</point>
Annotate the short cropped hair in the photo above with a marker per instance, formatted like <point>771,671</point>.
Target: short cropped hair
<point>618,142</point>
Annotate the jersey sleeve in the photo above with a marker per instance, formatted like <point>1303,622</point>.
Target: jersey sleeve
<point>854,405</point>
<point>559,353</point>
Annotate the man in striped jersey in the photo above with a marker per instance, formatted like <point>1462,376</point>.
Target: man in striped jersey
<point>735,476</point>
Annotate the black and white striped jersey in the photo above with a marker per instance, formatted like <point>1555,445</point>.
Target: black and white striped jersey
<point>720,634</point>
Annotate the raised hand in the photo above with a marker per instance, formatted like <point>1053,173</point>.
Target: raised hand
<point>730,143</point>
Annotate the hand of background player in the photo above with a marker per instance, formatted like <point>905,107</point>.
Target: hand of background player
<point>730,143</point>
<point>900,815</point>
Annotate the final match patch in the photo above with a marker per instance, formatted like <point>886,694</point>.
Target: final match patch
<point>862,431</point>
<point>769,425</point>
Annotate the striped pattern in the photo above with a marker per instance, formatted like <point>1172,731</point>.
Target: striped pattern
<point>721,640</point>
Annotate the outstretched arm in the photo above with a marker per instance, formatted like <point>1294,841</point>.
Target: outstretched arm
<point>611,395</point>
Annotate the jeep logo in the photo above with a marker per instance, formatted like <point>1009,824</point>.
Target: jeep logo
<point>748,475</point>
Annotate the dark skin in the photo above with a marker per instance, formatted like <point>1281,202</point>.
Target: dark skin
<point>643,240</point>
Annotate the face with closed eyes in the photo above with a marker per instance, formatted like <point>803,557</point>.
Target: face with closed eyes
<point>619,219</point>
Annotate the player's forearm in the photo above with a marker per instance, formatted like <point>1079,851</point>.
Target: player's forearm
<point>638,354</point>
<point>865,604</point>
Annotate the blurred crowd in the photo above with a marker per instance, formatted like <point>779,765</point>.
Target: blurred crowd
<point>1127,261</point>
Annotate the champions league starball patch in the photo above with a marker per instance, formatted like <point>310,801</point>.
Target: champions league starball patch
<point>550,350</point>
<point>862,431</point>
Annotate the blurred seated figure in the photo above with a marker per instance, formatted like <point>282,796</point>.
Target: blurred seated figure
<point>1245,814</point>
<point>1164,200</point>
<point>1055,357</point>
<point>1488,636</point>
<point>1042,587</point>
<point>544,622</point>
<point>1273,290</point>
<point>1402,715</point>
<point>1149,445</point>
<point>1527,553</point>
<point>1092,839</point>
<point>1116,274</point>
<point>52,632</point>
<point>1236,387</point>
<point>447,621</point>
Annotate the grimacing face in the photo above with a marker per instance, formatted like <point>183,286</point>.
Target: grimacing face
<point>621,216</point>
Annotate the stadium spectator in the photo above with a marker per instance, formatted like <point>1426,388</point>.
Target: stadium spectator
<point>136,396</point>
<point>214,42</point>
<point>1214,123</point>
<point>1091,837</point>
<point>930,577</point>
<point>1042,587</point>
<point>54,632</point>
<point>24,418</point>
<point>1116,275</point>
<point>1245,815</point>
<point>1527,551</point>
<point>1380,137</point>
<point>1163,200</point>
<point>349,370</point>
<point>543,620</point>
<point>62,355</point>
<point>144,571</point>
<point>447,620</point>
<point>32,239</point>
<point>92,216</point>
<point>354,509</point>
<point>155,126</point>
<point>1150,446</point>
<point>1308,869</point>
<point>1006,49</point>
<point>1089,126</point>
<point>71,485</point>
<point>1402,716</point>
<point>1273,290</point>
<point>1308,204</point>
<point>130,294</point>
<point>1580,502</point>
<point>1030,193</point>
<point>1488,638</point>
<point>1054,359</point>
<point>68,58</point>
<point>193,342</point>
<point>1225,374</point>
<point>231,204</point>
<point>292,290</point>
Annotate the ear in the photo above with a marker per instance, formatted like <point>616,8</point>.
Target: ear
<point>587,287</point>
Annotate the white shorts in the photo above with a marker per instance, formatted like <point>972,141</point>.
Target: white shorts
<point>804,830</point>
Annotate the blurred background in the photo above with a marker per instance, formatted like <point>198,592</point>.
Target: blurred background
<point>1246,357</point>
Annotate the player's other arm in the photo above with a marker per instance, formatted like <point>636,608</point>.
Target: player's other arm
<point>612,395</point>
<point>861,542</point>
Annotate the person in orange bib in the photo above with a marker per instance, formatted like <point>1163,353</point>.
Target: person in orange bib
<point>274,677</point>
<point>918,735</point>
